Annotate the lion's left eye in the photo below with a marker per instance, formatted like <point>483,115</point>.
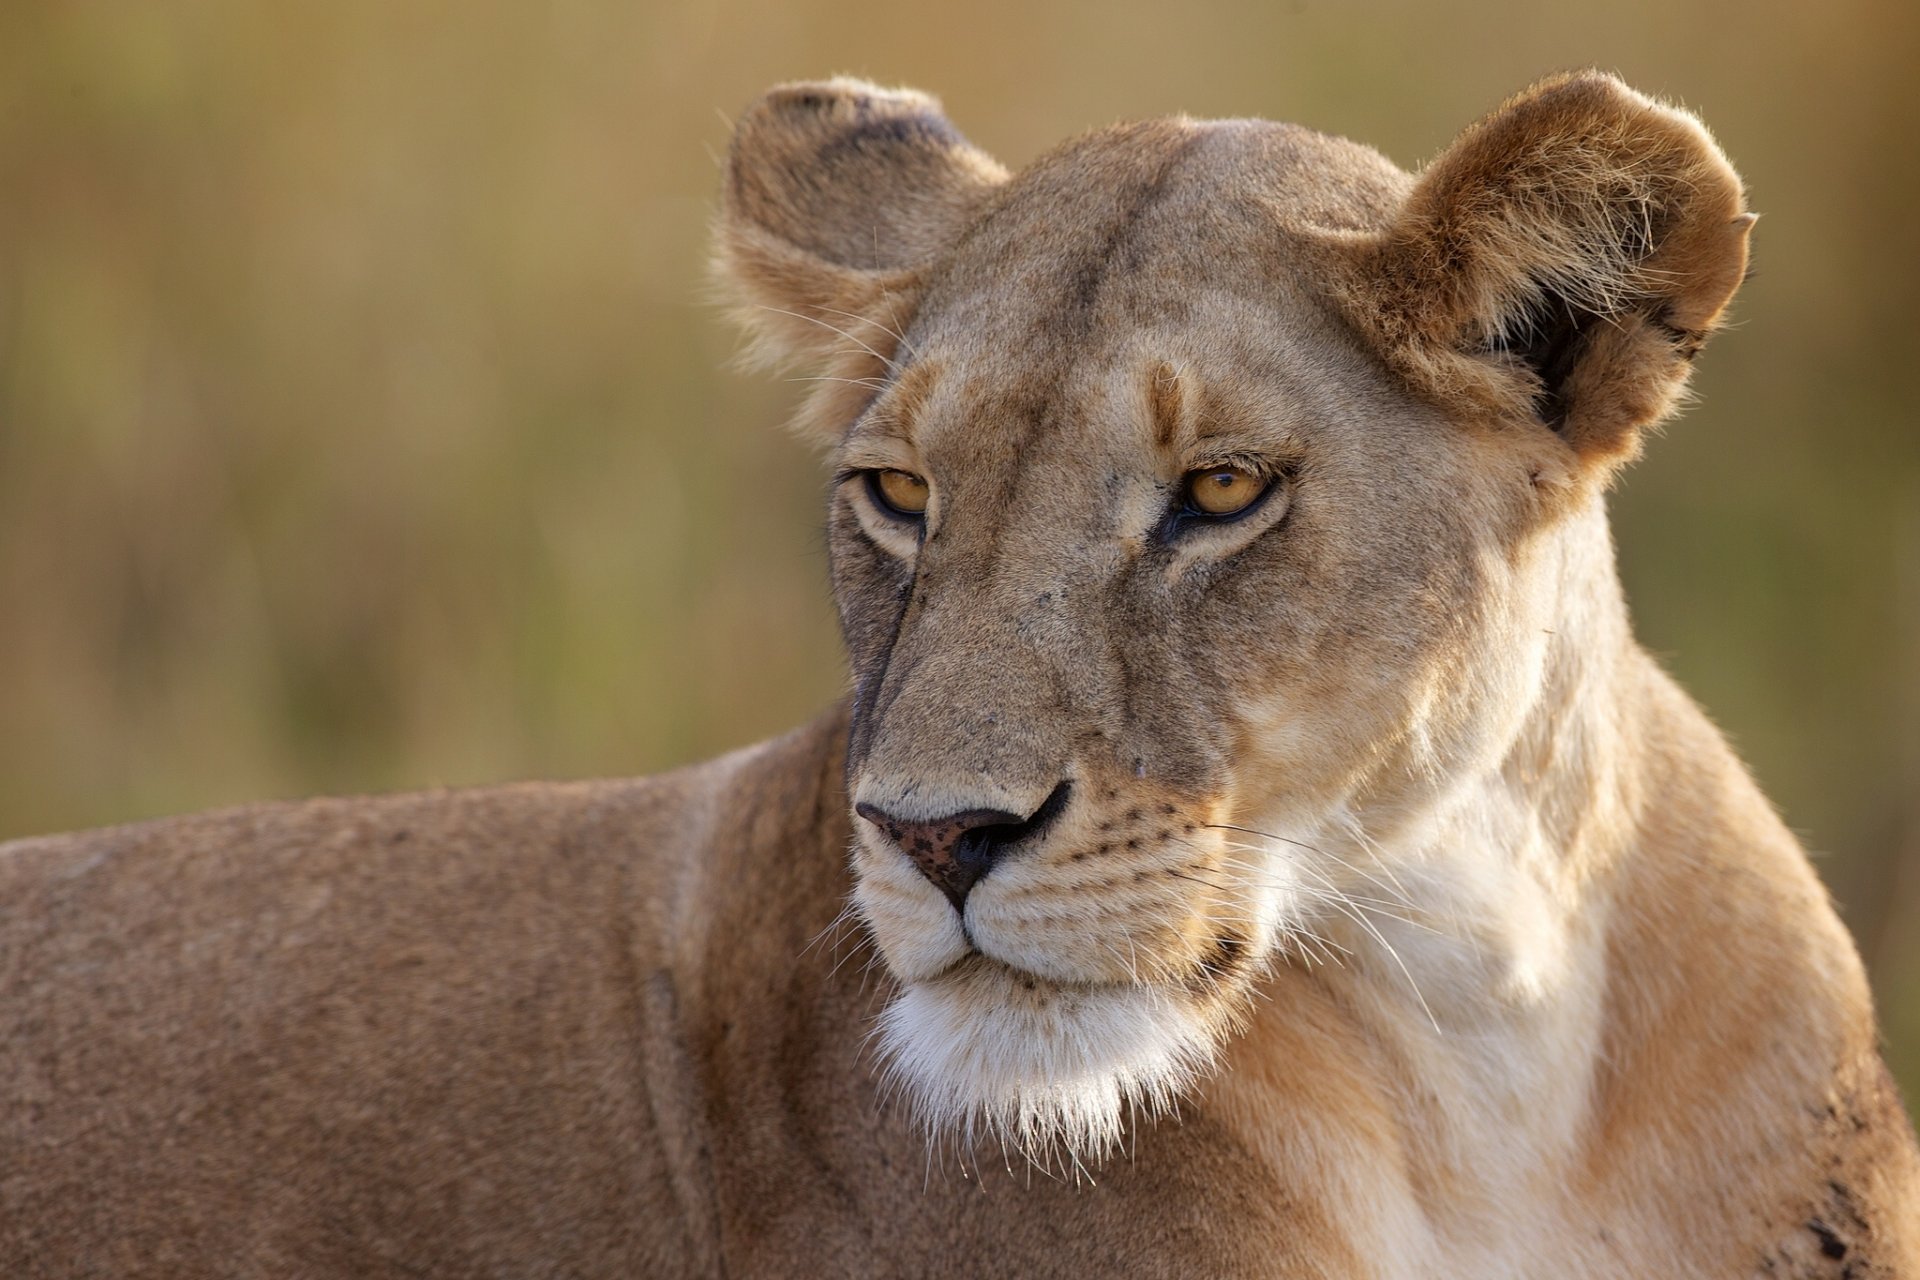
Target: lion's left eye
<point>1221,491</point>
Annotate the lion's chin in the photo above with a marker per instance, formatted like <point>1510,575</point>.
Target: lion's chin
<point>1050,1072</point>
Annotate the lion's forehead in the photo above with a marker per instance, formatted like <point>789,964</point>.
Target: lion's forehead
<point>1122,223</point>
<point>1174,247</point>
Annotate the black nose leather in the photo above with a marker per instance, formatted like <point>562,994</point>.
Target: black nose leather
<point>956,850</point>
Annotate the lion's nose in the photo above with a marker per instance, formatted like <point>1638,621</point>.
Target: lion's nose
<point>958,849</point>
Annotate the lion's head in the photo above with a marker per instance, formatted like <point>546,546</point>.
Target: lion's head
<point>1211,499</point>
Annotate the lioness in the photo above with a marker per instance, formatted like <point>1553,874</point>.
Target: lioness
<point>1271,854</point>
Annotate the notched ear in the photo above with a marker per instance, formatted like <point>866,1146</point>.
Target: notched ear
<point>837,195</point>
<point>1563,262</point>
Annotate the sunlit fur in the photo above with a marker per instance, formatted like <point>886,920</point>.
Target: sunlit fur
<point>1393,915</point>
<point>1250,713</point>
<point>1387,733</point>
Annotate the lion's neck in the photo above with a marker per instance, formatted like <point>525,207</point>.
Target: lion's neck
<point>1494,861</point>
<point>1472,988</point>
<point>1516,1034</point>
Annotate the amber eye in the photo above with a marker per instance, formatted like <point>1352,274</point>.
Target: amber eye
<point>901,492</point>
<point>1222,491</point>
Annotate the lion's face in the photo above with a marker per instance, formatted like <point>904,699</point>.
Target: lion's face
<point>1064,622</point>
<point>1171,591</point>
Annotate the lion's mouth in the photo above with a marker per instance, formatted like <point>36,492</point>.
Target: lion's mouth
<point>1219,967</point>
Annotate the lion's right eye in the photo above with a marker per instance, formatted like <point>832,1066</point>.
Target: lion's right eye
<point>899,493</point>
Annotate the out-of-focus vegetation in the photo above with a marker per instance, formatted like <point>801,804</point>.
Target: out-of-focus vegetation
<point>362,426</point>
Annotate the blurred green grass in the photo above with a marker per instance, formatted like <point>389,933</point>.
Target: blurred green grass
<point>361,425</point>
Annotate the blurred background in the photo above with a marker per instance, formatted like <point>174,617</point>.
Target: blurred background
<point>362,424</point>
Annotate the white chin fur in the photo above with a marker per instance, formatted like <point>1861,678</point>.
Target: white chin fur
<point>1043,1070</point>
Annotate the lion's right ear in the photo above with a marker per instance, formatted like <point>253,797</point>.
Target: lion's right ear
<point>836,194</point>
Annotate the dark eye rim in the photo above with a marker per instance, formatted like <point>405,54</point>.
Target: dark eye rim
<point>870,476</point>
<point>1185,515</point>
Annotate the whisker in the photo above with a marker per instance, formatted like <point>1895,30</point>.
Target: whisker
<point>834,328</point>
<point>1381,938</point>
<point>1372,846</point>
<point>867,384</point>
<point>840,918</point>
<point>1391,884</point>
<point>891,331</point>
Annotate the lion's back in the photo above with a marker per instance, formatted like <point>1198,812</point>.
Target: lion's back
<point>339,1034</point>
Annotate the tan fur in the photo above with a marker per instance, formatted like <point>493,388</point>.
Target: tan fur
<point>1394,916</point>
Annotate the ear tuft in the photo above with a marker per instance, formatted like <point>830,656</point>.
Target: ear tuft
<point>837,195</point>
<point>1563,261</point>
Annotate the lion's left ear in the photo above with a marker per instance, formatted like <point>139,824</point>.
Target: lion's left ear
<point>1564,261</point>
